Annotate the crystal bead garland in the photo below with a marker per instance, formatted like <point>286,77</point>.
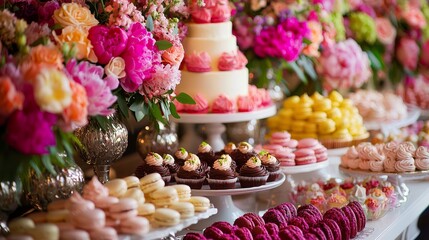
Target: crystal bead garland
<point>101,147</point>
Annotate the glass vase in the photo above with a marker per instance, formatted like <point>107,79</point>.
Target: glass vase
<point>163,140</point>
<point>102,146</point>
<point>9,195</point>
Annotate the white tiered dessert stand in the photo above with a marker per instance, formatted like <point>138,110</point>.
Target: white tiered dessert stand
<point>213,126</point>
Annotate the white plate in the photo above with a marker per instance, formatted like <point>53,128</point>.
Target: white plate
<point>405,175</point>
<point>304,168</point>
<point>413,114</point>
<point>206,191</point>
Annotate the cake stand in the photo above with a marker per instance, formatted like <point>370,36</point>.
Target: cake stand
<point>227,211</point>
<point>304,168</point>
<point>412,116</point>
<point>397,179</point>
<point>213,125</point>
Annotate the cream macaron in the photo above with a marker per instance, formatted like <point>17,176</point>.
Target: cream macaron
<point>117,187</point>
<point>45,231</point>
<point>132,181</point>
<point>166,217</point>
<point>145,209</point>
<point>164,196</point>
<point>21,225</point>
<point>183,191</point>
<point>136,194</point>
<point>186,209</point>
<point>201,204</point>
<point>151,183</point>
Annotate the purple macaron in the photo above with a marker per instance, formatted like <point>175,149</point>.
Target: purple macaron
<point>225,227</point>
<point>312,209</point>
<point>272,229</point>
<point>318,232</point>
<point>335,229</point>
<point>212,232</point>
<point>262,237</point>
<point>352,220</point>
<point>310,236</point>
<point>343,222</point>
<point>244,222</point>
<point>243,233</point>
<point>360,215</point>
<point>291,233</point>
<point>228,237</point>
<point>194,236</point>
<point>274,216</point>
<point>256,219</point>
<point>288,209</point>
<point>299,222</point>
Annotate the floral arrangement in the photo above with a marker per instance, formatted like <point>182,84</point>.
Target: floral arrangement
<point>63,62</point>
<point>340,44</point>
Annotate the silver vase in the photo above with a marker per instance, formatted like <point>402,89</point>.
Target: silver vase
<point>9,195</point>
<point>163,140</point>
<point>101,147</point>
<point>40,190</point>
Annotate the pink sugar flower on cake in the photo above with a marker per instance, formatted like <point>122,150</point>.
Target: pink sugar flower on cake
<point>198,62</point>
<point>223,104</point>
<point>245,104</point>
<point>201,105</point>
<point>228,61</point>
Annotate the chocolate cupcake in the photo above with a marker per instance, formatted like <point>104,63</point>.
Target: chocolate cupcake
<point>154,164</point>
<point>171,165</point>
<point>253,174</point>
<point>243,153</point>
<point>271,164</point>
<point>191,173</point>
<point>227,149</point>
<point>221,175</point>
<point>180,156</point>
<point>206,153</point>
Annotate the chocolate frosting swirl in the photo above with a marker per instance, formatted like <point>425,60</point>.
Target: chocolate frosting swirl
<point>173,168</point>
<point>272,167</point>
<point>222,174</point>
<point>162,170</point>
<point>196,174</point>
<point>246,171</point>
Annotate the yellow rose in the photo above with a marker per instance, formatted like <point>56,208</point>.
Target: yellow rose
<point>73,14</point>
<point>78,37</point>
<point>115,67</point>
<point>52,90</point>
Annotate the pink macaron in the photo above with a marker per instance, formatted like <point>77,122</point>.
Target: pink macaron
<point>135,226</point>
<point>274,216</point>
<point>292,143</point>
<point>280,135</point>
<point>256,219</point>
<point>343,222</point>
<point>291,232</point>
<point>307,143</point>
<point>272,148</point>
<point>89,219</point>
<point>225,227</point>
<point>359,214</point>
<point>335,229</point>
<point>74,234</point>
<point>212,232</point>
<point>125,208</point>
<point>299,222</point>
<point>288,210</point>
<point>285,157</point>
<point>194,236</point>
<point>352,220</point>
<point>305,156</point>
<point>244,222</point>
<point>104,233</point>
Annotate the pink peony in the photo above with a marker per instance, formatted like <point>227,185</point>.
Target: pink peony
<point>141,57</point>
<point>408,53</point>
<point>424,58</point>
<point>201,15</point>
<point>107,42</point>
<point>98,90</point>
<point>220,13</point>
<point>344,65</point>
<point>386,33</point>
<point>165,77</point>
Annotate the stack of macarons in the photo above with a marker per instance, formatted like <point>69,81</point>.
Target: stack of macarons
<point>286,222</point>
<point>129,206</point>
<point>291,152</point>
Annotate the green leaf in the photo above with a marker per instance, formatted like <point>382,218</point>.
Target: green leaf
<point>307,64</point>
<point>376,61</point>
<point>156,112</point>
<point>35,167</point>
<point>56,26</point>
<point>137,104</point>
<point>139,115</point>
<point>298,72</point>
<point>165,109</point>
<point>149,23</point>
<point>185,98</point>
<point>306,41</point>
<point>163,44</point>
<point>46,160</point>
<point>173,110</point>
<point>102,121</point>
<point>122,104</point>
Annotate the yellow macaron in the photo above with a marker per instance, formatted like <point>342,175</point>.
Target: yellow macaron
<point>186,209</point>
<point>166,217</point>
<point>151,183</point>
<point>326,126</point>
<point>117,187</point>
<point>201,204</point>
<point>164,196</point>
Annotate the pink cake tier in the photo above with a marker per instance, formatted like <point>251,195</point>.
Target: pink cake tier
<point>214,72</point>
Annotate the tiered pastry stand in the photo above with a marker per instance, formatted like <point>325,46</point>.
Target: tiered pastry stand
<point>213,126</point>
<point>397,179</point>
<point>221,199</point>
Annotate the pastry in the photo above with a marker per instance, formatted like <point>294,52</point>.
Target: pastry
<point>21,225</point>
<point>76,204</point>
<point>180,156</point>
<point>253,174</point>
<point>191,173</point>
<point>225,227</point>
<point>57,216</point>
<point>125,208</point>
<point>242,233</point>
<point>151,183</point>
<point>60,204</point>
<point>164,197</point>
<point>227,149</point>
<point>194,236</point>
<point>271,164</point>
<point>221,175</point>
<point>201,204</point>
<point>243,153</point>
<point>285,157</point>
<point>103,233</point>
<point>288,210</point>
<point>291,232</point>
<point>206,153</point>
<point>134,226</point>
<point>171,165</point>
<point>322,225</point>
<point>256,219</point>
<point>186,209</point>
<point>165,217</point>
<point>154,163</point>
<point>212,232</point>
<point>335,229</point>
<point>317,231</point>
<point>359,214</point>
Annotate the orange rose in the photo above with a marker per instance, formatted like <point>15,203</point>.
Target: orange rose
<point>174,55</point>
<point>75,115</point>
<point>30,70</point>
<point>48,55</point>
<point>316,37</point>
<point>78,37</point>
<point>10,99</point>
<point>73,14</point>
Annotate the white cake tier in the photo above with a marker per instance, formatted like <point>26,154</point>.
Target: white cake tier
<point>213,46</point>
<point>210,30</point>
<point>212,84</point>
